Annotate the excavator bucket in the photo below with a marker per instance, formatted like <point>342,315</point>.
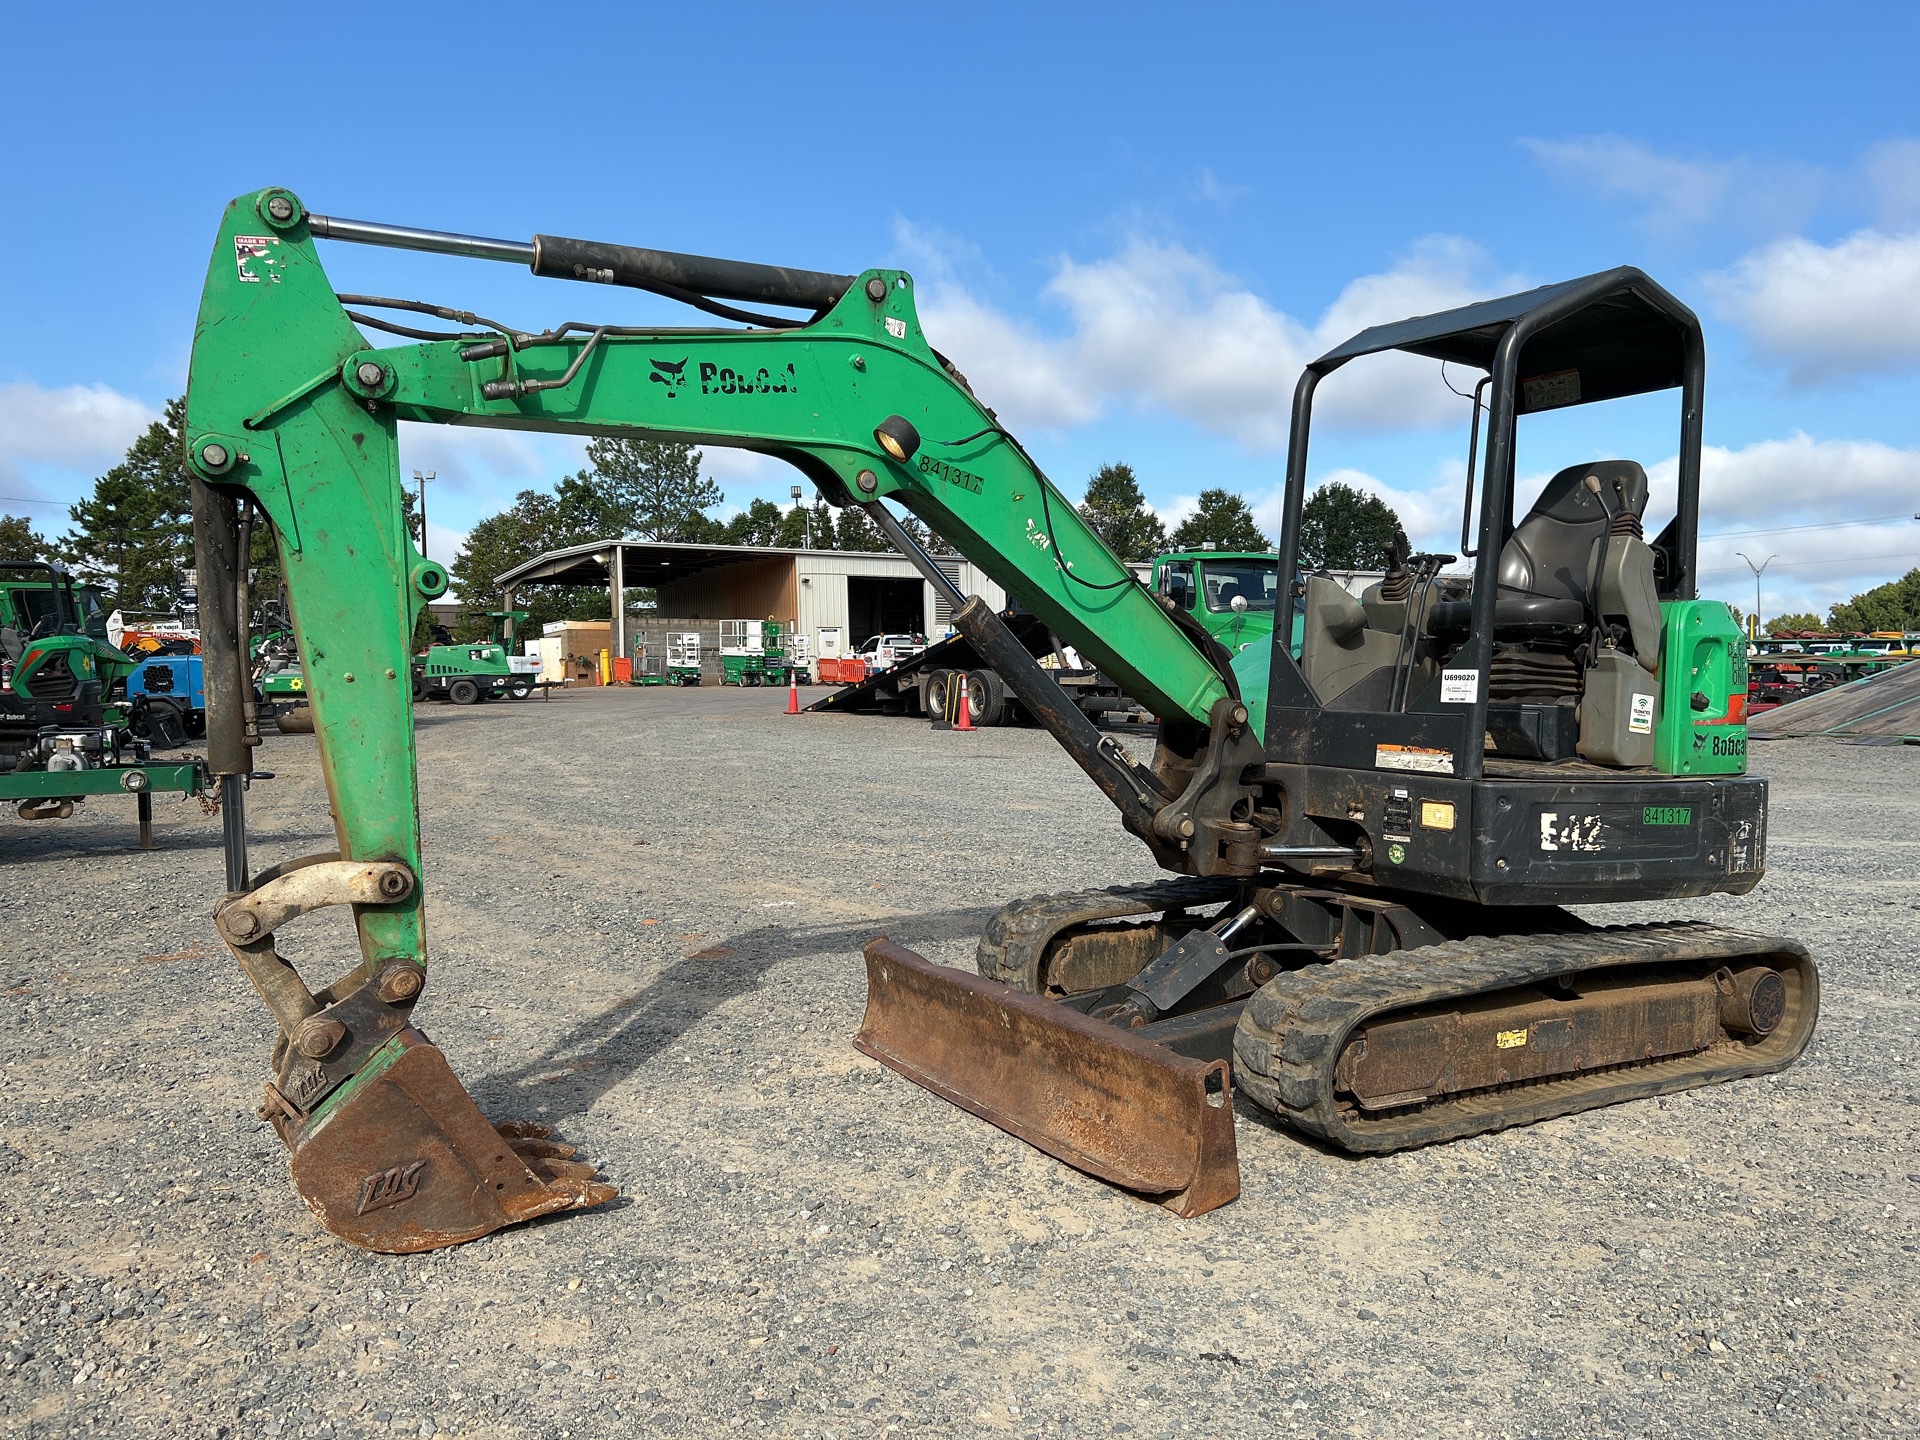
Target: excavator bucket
<point>1102,1099</point>
<point>449,1175</point>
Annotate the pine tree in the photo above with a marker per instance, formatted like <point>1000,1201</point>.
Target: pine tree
<point>1223,519</point>
<point>1342,528</point>
<point>1118,513</point>
<point>653,488</point>
<point>133,538</point>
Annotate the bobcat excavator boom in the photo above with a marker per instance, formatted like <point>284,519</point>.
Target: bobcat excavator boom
<point>293,416</point>
<point>1115,1058</point>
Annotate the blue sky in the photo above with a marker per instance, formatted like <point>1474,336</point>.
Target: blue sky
<point>1130,224</point>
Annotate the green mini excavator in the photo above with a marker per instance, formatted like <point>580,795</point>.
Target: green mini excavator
<point>1370,843</point>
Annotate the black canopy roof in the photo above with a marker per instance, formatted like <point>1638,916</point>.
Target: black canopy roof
<point>1624,335</point>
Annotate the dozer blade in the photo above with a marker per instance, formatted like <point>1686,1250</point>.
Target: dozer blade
<point>402,1160</point>
<point>1098,1097</point>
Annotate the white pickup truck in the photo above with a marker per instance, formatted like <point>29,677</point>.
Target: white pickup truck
<point>883,652</point>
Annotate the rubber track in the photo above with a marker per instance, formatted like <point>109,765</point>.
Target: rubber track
<point>1017,936</point>
<point>1293,1030</point>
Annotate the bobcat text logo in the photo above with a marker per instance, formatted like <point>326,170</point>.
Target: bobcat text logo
<point>390,1187</point>
<point>1721,746</point>
<point>670,373</point>
<point>719,380</point>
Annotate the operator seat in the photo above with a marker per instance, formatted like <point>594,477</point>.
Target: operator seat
<point>1550,568</point>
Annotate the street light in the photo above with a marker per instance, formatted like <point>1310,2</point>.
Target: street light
<point>1758,571</point>
<point>421,481</point>
<point>809,515</point>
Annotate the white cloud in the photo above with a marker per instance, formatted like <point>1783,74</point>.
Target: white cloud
<point>76,427</point>
<point>1829,310</point>
<point>1160,329</point>
<point>1215,191</point>
<point>1681,193</point>
<point>484,462</point>
<point>444,542</point>
<point>1761,499</point>
<point>1801,480</point>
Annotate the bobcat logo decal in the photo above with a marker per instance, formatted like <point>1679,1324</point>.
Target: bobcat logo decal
<point>670,373</point>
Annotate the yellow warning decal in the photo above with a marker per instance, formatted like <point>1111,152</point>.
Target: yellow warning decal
<point>1510,1039</point>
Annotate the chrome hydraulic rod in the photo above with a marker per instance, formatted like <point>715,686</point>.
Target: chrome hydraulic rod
<point>405,237</point>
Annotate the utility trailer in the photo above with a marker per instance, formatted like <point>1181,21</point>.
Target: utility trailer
<point>54,794</point>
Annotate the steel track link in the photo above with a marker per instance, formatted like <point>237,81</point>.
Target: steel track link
<point>1292,1032</point>
<point>1016,939</point>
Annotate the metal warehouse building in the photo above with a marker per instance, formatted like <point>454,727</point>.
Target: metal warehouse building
<point>697,586</point>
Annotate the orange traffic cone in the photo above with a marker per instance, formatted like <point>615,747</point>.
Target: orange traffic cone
<point>965,722</point>
<point>793,695</point>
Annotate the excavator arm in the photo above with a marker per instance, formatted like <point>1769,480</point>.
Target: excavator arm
<point>293,416</point>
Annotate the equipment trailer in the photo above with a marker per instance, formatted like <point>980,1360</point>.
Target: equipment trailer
<point>1369,843</point>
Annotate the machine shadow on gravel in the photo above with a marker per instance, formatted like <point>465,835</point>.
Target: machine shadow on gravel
<point>599,1054</point>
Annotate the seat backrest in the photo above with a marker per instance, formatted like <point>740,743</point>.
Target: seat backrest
<point>1555,552</point>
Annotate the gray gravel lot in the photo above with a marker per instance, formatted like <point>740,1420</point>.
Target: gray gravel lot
<point>646,908</point>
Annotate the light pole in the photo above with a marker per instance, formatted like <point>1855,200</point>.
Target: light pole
<point>807,515</point>
<point>1758,571</point>
<point>421,481</point>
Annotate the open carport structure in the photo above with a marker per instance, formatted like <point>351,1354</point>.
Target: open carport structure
<point>856,592</point>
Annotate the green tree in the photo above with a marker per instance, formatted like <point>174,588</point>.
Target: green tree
<point>1342,528</point>
<point>854,531</point>
<point>653,488</point>
<point>1222,519</point>
<point>133,537</point>
<point>761,523</point>
<point>1118,513</point>
<point>530,526</point>
<point>1799,620</point>
<point>20,541</point>
<point>1893,606</point>
<point>808,524</point>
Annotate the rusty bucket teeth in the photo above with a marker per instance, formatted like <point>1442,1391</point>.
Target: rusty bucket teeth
<point>404,1161</point>
<point>1100,1098</point>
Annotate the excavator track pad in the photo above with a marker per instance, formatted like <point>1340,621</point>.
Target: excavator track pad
<point>449,1175</point>
<point>1121,1108</point>
<point>1387,1052</point>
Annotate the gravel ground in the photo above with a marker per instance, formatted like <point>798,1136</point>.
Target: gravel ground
<point>646,908</point>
